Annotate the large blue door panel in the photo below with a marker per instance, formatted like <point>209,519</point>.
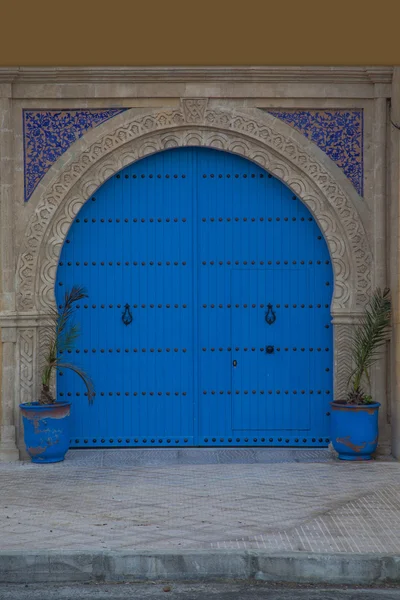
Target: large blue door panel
<point>198,242</point>
<point>132,244</point>
<point>257,243</point>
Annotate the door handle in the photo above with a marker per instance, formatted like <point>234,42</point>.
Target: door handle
<point>235,363</point>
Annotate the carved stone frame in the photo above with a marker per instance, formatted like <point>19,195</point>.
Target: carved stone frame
<point>132,135</point>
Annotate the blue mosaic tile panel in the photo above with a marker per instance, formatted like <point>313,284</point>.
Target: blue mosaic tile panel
<point>339,133</point>
<point>49,133</point>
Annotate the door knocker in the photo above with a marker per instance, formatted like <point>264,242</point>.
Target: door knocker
<point>270,316</point>
<point>127,315</point>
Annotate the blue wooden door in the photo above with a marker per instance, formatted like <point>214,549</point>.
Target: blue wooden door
<point>198,243</point>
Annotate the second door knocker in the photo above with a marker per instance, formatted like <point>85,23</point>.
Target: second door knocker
<point>127,315</point>
<point>270,316</point>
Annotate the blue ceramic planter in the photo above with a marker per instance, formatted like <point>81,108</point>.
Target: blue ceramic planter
<point>46,430</point>
<point>354,430</point>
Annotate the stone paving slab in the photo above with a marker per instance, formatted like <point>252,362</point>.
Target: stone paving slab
<point>278,500</point>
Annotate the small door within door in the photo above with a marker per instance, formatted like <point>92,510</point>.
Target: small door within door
<point>271,328</point>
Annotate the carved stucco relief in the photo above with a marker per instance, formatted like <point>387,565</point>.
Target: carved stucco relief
<point>194,124</point>
<point>342,357</point>
<point>227,130</point>
<point>26,342</point>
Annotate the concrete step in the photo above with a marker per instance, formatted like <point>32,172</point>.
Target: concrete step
<point>193,565</point>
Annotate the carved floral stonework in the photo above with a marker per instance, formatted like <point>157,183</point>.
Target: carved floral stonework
<point>252,138</point>
<point>194,109</point>
<point>49,133</point>
<point>339,133</point>
<point>195,124</point>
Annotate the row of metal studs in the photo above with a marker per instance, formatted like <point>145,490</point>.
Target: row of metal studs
<point>253,219</point>
<point>237,349</point>
<point>160,441</point>
<point>134,220</point>
<point>133,306</point>
<point>212,392</point>
<point>270,440</point>
<point>176,176</point>
<point>159,263</point>
<point>127,263</point>
<point>136,440</point>
<point>244,175</point>
<point>262,262</point>
<point>128,393</point>
<point>263,306</point>
<point>184,219</point>
<point>237,392</point>
<point>203,306</point>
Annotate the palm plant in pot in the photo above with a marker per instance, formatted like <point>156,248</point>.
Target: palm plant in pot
<point>46,422</point>
<point>354,420</point>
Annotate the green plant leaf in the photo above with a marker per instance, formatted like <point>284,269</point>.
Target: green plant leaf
<point>63,337</point>
<point>83,376</point>
<point>370,336</point>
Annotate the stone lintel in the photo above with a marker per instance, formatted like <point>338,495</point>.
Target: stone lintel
<point>315,74</point>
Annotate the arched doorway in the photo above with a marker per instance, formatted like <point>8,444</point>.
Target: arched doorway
<point>229,282</point>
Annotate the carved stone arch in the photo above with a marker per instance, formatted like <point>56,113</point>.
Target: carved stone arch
<point>254,135</point>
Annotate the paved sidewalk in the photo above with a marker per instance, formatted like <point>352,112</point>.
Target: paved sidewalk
<point>280,500</point>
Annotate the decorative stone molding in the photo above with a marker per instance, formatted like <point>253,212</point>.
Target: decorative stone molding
<point>252,74</point>
<point>252,135</point>
<point>342,357</point>
<point>194,109</point>
<point>26,344</point>
<point>43,339</point>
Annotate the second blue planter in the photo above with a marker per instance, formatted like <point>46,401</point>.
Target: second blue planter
<point>354,430</point>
